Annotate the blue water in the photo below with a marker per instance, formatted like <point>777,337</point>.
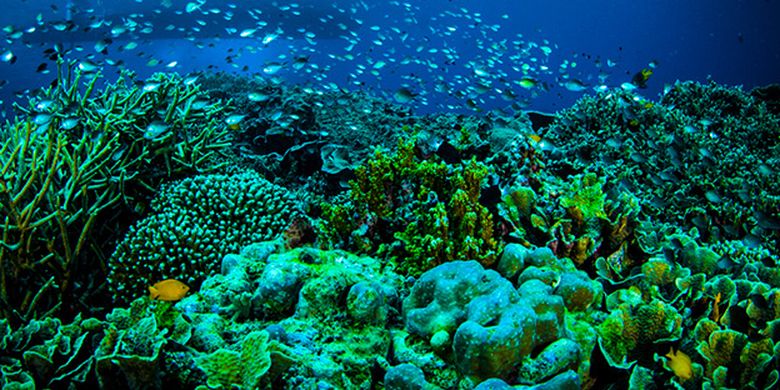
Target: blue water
<point>731,42</point>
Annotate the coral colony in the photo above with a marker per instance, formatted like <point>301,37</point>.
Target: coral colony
<point>219,231</point>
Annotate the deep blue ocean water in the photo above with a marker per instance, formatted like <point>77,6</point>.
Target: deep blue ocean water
<point>447,54</point>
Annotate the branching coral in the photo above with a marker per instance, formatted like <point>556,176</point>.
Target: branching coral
<point>76,153</point>
<point>420,212</point>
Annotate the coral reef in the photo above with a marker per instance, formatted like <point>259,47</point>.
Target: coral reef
<point>627,244</point>
<point>73,160</point>
<point>419,212</point>
<point>195,222</point>
<point>705,155</point>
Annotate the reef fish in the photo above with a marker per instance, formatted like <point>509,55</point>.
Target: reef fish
<point>680,363</point>
<point>168,290</point>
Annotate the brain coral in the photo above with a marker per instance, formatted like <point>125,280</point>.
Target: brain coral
<point>192,225</point>
<point>492,326</point>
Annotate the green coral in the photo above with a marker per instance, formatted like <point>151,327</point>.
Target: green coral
<point>582,218</point>
<point>585,198</point>
<point>735,361</point>
<point>77,158</point>
<point>420,212</point>
<point>716,145</point>
<point>195,222</point>
<point>633,325</point>
<point>341,303</point>
<point>226,368</point>
<point>47,353</point>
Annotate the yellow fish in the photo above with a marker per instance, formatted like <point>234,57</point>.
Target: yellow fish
<point>680,363</point>
<point>168,290</point>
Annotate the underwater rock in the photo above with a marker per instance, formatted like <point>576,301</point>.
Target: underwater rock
<point>406,377</point>
<point>278,287</point>
<point>207,331</point>
<point>259,252</point>
<point>512,260</point>
<point>557,357</point>
<point>366,304</point>
<point>231,262</point>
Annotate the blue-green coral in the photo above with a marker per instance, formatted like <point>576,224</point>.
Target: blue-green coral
<point>704,155</point>
<point>194,222</point>
<point>79,156</point>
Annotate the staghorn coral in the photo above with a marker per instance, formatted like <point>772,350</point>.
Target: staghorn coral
<point>77,158</point>
<point>196,221</point>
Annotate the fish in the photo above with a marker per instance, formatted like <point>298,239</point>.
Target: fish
<point>680,364</point>
<point>716,307</point>
<point>96,20</point>
<point>527,82</point>
<point>641,77</point>
<point>170,290</point>
<point>404,95</point>
<point>575,85</point>
<point>234,121</point>
<point>535,137</point>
